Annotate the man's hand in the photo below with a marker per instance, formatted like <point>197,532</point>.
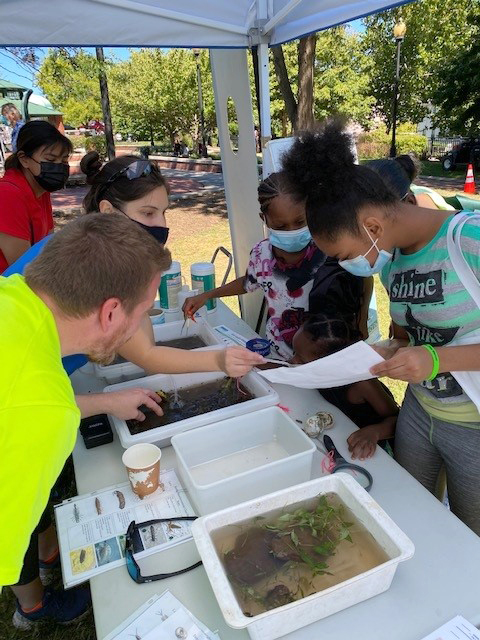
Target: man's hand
<point>237,361</point>
<point>125,404</point>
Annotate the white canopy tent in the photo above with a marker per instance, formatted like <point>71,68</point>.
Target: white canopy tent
<point>227,28</point>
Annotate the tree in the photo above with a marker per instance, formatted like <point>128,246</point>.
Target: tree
<point>299,107</point>
<point>458,96</point>
<point>436,31</point>
<point>107,116</point>
<point>154,93</point>
<point>70,81</point>
<point>337,75</point>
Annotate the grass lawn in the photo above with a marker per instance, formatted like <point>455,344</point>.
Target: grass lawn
<point>430,168</point>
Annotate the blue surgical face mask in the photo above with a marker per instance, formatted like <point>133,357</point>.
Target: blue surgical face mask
<point>290,241</point>
<point>360,266</point>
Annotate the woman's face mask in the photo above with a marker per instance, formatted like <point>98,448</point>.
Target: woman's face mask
<point>159,233</point>
<point>290,241</point>
<point>360,266</point>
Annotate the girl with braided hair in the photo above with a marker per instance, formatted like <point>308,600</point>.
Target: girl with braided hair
<point>286,265</point>
<point>368,404</point>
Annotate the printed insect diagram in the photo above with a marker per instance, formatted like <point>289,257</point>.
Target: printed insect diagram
<point>91,528</point>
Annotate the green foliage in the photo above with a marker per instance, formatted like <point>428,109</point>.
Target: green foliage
<point>155,93</point>
<point>78,141</point>
<point>458,96</point>
<point>342,84</point>
<point>341,79</point>
<point>96,143</point>
<point>436,31</point>
<point>71,83</point>
<point>376,143</point>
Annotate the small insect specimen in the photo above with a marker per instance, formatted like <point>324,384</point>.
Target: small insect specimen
<point>152,532</point>
<point>135,635</point>
<point>98,506</point>
<point>83,555</point>
<point>121,499</point>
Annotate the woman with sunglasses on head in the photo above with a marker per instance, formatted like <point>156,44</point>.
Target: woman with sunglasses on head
<point>355,216</point>
<point>136,188</point>
<point>38,167</point>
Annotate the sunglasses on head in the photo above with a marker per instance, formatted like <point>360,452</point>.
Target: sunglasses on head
<point>132,566</point>
<point>136,169</point>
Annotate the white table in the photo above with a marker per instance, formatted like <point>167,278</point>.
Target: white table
<point>442,579</point>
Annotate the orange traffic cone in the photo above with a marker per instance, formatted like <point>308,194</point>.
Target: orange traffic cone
<point>469,181</point>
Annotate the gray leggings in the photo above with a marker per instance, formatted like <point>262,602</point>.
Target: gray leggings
<point>424,444</point>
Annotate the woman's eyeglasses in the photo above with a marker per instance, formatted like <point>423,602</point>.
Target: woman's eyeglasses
<point>132,566</point>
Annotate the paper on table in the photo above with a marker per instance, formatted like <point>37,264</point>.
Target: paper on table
<point>351,364</point>
<point>455,629</point>
<point>152,616</point>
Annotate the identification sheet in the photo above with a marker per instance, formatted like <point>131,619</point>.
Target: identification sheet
<point>159,619</point>
<point>343,367</point>
<point>91,528</point>
<point>455,629</point>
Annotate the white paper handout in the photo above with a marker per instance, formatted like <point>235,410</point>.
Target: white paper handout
<point>455,629</point>
<point>351,364</point>
<point>91,528</point>
<point>159,618</point>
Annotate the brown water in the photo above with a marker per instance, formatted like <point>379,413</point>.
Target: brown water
<point>267,570</point>
<point>188,343</point>
<point>192,401</point>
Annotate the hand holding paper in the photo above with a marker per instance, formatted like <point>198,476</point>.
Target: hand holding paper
<point>349,365</point>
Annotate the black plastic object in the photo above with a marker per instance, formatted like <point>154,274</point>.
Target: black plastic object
<point>343,465</point>
<point>96,430</point>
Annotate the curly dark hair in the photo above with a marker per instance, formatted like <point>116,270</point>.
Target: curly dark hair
<point>320,169</point>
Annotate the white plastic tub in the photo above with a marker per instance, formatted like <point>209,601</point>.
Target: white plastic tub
<point>242,458</point>
<point>123,371</point>
<point>287,618</point>
<point>264,396</point>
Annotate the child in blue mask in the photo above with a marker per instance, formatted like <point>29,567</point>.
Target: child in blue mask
<point>285,266</point>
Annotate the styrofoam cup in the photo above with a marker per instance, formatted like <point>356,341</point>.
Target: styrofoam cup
<point>142,462</point>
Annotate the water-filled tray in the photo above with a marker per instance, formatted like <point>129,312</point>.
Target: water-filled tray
<point>218,391</point>
<point>199,335</point>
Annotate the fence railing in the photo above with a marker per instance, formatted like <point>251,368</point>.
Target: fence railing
<point>440,146</point>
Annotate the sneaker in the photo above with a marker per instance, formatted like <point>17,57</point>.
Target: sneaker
<point>62,607</point>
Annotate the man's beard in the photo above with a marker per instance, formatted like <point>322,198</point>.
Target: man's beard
<point>105,353</point>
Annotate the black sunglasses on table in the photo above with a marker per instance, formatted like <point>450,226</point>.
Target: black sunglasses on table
<point>132,566</point>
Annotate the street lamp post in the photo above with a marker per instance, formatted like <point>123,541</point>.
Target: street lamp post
<point>196,53</point>
<point>399,31</point>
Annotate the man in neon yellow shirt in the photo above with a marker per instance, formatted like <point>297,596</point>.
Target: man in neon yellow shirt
<point>85,293</point>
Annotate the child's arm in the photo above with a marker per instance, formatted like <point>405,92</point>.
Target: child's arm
<point>362,443</point>
<point>193,304</point>
<point>142,351</point>
<point>364,306</point>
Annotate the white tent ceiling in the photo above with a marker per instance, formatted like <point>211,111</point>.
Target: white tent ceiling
<point>181,23</point>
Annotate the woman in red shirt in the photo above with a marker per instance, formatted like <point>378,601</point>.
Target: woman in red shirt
<point>38,167</point>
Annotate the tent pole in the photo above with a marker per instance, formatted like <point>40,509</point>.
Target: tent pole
<point>239,165</point>
<point>264,77</point>
<point>278,17</point>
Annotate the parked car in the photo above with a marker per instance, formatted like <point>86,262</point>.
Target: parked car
<point>464,152</point>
